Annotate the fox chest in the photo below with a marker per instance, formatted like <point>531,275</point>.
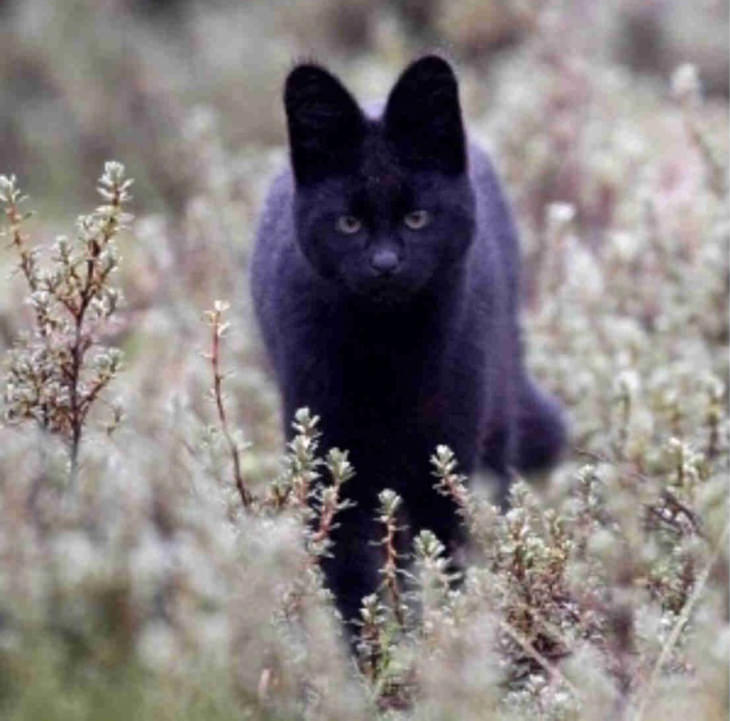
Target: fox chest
<point>414,398</point>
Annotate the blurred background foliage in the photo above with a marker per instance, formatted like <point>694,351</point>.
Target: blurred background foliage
<point>150,594</point>
<point>83,80</point>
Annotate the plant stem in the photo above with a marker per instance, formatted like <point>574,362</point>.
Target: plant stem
<point>217,330</point>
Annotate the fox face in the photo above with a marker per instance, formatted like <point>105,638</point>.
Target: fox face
<point>382,204</point>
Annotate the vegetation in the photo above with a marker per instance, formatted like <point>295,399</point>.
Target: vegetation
<point>160,561</point>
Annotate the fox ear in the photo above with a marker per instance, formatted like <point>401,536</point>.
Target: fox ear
<point>423,117</point>
<point>326,125</point>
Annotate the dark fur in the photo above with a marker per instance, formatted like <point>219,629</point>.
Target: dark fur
<point>427,351</point>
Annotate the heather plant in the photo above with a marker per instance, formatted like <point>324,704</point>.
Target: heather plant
<point>235,446</point>
<point>58,369</point>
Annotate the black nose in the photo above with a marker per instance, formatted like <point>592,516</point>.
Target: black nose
<point>384,261</point>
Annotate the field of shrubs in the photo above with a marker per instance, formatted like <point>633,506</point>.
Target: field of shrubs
<point>159,541</point>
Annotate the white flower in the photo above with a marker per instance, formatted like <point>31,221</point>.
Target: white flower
<point>560,214</point>
<point>686,86</point>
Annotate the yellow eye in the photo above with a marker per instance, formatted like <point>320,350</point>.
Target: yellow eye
<point>417,219</point>
<point>348,224</point>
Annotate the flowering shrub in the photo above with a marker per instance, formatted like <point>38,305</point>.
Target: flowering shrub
<point>57,372</point>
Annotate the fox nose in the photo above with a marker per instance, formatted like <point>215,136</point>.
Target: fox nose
<point>384,261</point>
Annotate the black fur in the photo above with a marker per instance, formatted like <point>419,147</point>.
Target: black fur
<point>399,338</point>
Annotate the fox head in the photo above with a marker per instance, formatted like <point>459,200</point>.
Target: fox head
<point>382,204</point>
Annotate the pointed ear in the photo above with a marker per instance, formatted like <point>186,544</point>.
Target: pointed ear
<point>423,117</point>
<point>326,125</point>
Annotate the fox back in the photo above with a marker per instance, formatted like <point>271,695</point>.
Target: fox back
<point>386,280</point>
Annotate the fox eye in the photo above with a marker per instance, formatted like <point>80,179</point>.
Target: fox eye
<point>348,224</point>
<point>417,219</point>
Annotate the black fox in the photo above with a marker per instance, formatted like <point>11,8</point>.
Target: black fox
<point>386,282</point>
